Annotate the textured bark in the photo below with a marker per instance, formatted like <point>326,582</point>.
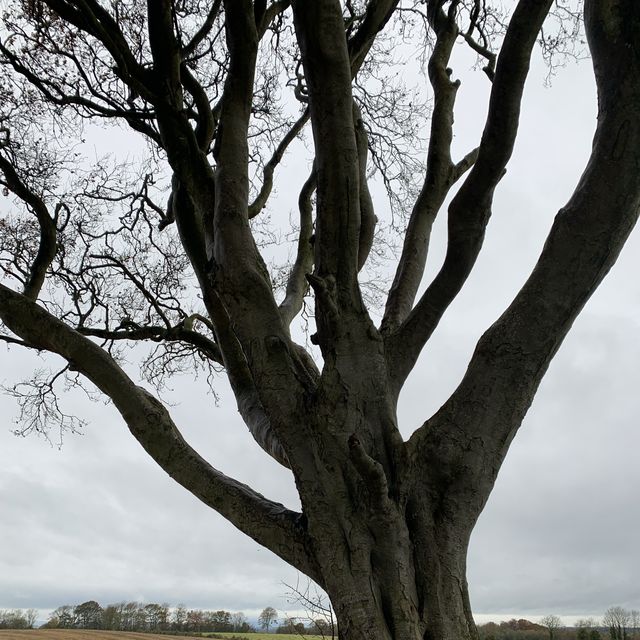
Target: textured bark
<point>385,524</point>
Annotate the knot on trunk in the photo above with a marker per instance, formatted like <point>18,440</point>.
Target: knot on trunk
<point>370,470</point>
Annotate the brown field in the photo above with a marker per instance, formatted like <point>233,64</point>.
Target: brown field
<point>79,634</point>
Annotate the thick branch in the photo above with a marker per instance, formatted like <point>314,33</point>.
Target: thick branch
<point>320,33</point>
<point>368,219</point>
<point>190,48</point>
<point>157,333</point>
<point>470,209</point>
<point>267,522</point>
<point>440,173</point>
<point>205,127</point>
<point>92,18</point>
<point>47,247</point>
<point>474,428</point>
<point>297,282</point>
<point>242,381</point>
<point>270,14</point>
<point>165,50</point>
<point>377,14</point>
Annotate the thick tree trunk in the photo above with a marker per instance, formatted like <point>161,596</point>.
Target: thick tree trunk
<point>390,544</point>
<point>392,572</point>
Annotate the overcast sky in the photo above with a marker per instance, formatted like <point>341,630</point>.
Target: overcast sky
<point>99,520</point>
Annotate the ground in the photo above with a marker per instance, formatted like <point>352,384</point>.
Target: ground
<point>79,634</point>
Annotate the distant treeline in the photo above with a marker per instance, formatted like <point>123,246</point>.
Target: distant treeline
<point>18,618</point>
<point>137,616</point>
<point>616,624</point>
<point>159,618</point>
<point>526,630</point>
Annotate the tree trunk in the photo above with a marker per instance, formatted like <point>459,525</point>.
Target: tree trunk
<point>390,543</point>
<point>393,567</point>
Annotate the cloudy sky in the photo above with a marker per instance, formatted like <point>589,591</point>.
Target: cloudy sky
<point>97,519</point>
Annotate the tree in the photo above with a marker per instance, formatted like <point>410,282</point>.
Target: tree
<point>585,627</point>
<point>112,617</point>
<point>179,616</point>
<point>239,621</point>
<point>220,620</point>
<point>552,624</point>
<point>14,619</point>
<point>31,616</point>
<point>617,619</point>
<point>267,617</point>
<point>88,615</point>
<point>195,620</point>
<point>92,261</point>
<point>62,617</point>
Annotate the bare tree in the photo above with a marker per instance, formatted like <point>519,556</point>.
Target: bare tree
<point>238,620</point>
<point>267,617</point>
<point>552,623</point>
<point>92,258</point>
<point>617,620</point>
<point>585,627</point>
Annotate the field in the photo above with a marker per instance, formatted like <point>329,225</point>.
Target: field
<point>265,636</point>
<point>76,634</point>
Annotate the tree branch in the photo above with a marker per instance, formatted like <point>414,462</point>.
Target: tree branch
<point>470,209</point>
<point>157,333</point>
<point>475,427</point>
<point>267,522</point>
<point>48,235</point>
<point>297,282</point>
<point>190,48</point>
<point>368,219</point>
<point>271,12</point>
<point>89,16</point>
<point>377,14</point>
<point>440,174</point>
<point>267,180</point>
<point>328,75</point>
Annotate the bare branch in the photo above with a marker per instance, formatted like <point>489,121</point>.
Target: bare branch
<point>368,217</point>
<point>157,333</point>
<point>47,246</point>
<point>439,176</point>
<point>16,341</point>
<point>297,283</point>
<point>328,76</point>
<point>190,48</point>
<point>94,19</point>
<point>585,240</point>
<point>267,180</point>
<point>267,522</point>
<point>471,207</point>
<point>377,14</point>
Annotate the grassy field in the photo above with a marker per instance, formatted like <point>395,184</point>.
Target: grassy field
<point>264,636</point>
<point>77,634</point>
